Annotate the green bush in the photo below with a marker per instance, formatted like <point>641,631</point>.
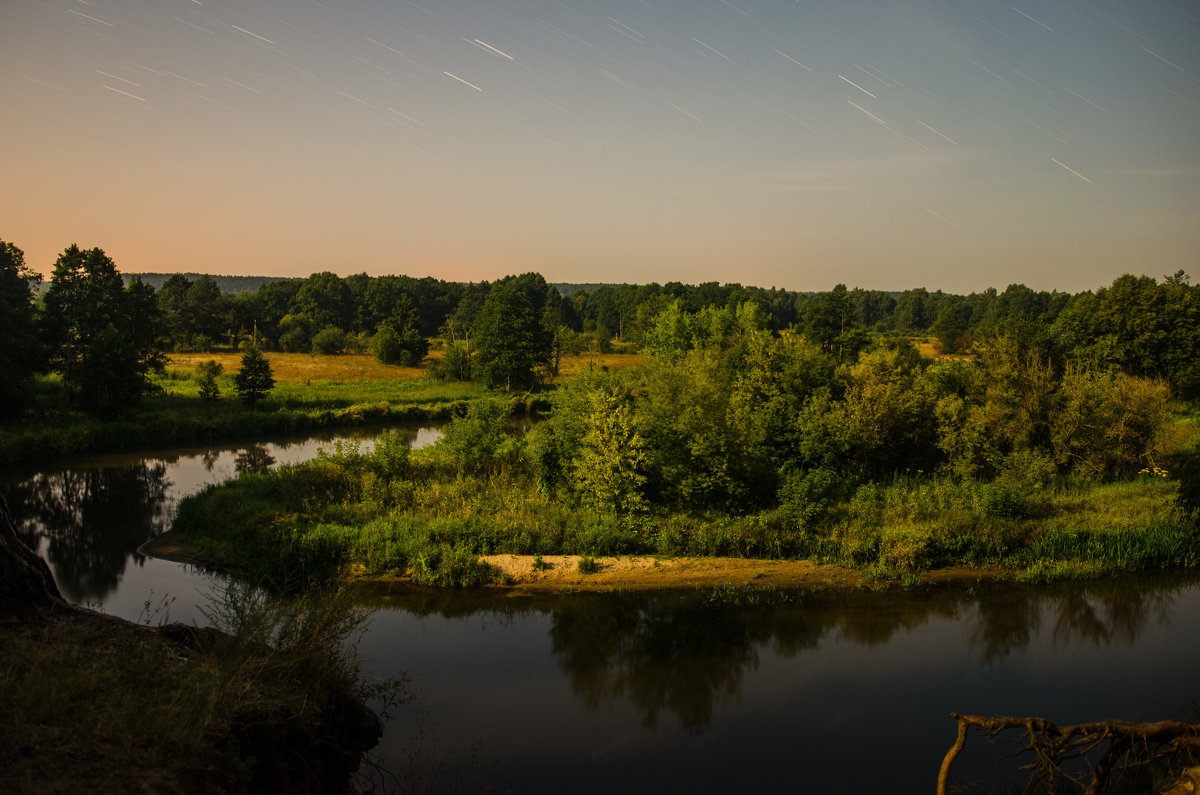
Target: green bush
<point>446,566</point>
<point>806,496</point>
<point>588,565</point>
<point>1001,500</point>
<point>329,341</point>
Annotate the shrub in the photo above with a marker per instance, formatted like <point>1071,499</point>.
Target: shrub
<point>805,496</point>
<point>1000,500</point>
<point>478,442</point>
<point>588,565</point>
<point>445,566</point>
<point>329,341</point>
<point>385,345</point>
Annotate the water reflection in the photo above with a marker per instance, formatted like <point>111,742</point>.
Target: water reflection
<point>1105,613</point>
<point>91,522</point>
<point>686,657</point>
<point>663,658</point>
<point>255,458</point>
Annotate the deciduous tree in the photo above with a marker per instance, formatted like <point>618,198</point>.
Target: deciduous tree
<point>18,331</point>
<point>103,338</point>
<point>510,340</point>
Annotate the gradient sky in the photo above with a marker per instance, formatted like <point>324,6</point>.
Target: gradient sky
<point>953,145</point>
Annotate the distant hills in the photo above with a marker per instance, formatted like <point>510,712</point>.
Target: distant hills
<point>239,284</point>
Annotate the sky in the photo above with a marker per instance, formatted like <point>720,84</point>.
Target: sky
<point>954,145</point>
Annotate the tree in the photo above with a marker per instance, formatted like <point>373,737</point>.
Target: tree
<point>831,320</point>
<point>18,331</point>
<point>404,347</point>
<point>608,468</point>
<point>510,340</point>
<point>203,314</point>
<point>329,341</point>
<point>950,331</point>
<point>171,304</point>
<point>1143,327</point>
<point>555,317</point>
<point>460,328</point>
<point>103,338</point>
<point>254,380</point>
<point>207,373</point>
<point>324,300</point>
<point>670,335</point>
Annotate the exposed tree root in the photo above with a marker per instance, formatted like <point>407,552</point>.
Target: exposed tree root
<point>1108,747</point>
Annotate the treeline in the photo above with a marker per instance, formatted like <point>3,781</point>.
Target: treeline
<point>104,336</point>
<point>1137,324</point>
<point>226,283</point>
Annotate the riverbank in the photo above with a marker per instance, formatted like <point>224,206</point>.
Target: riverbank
<point>395,514</point>
<point>516,575</point>
<point>312,393</point>
<point>97,703</point>
<point>266,697</point>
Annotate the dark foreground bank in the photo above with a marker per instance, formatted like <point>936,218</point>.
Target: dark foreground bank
<point>272,703</point>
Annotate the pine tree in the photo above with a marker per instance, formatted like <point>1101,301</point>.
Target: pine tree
<point>254,380</point>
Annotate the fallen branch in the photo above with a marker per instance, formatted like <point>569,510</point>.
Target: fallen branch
<point>1122,746</point>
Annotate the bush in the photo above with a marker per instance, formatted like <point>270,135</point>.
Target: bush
<point>805,496</point>
<point>385,345</point>
<point>294,340</point>
<point>1000,500</point>
<point>478,442</point>
<point>329,341</point>
<point>588,565</point>
<point>444,566</point>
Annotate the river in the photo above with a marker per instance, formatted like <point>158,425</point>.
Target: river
<point>827,692</point>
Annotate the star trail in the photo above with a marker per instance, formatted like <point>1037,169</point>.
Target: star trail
<point>778,143</point>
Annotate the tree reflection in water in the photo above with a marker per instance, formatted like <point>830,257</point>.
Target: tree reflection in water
<point>681,659</point>
<point>686,658</point>
<point>93,521</point>
<point>255,458</point>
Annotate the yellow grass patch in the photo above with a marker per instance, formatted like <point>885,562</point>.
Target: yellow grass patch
<point>304,367</point>
<point>351,367</point>
<point>925,346</point>
<point>613,361</point>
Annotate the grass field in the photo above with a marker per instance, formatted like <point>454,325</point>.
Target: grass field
<point>350,368</point>
<point>311,392</point>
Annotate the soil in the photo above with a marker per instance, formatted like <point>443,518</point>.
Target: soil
<point>560,573</point>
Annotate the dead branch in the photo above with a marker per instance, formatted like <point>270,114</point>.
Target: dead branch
<point>1125,746</point>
